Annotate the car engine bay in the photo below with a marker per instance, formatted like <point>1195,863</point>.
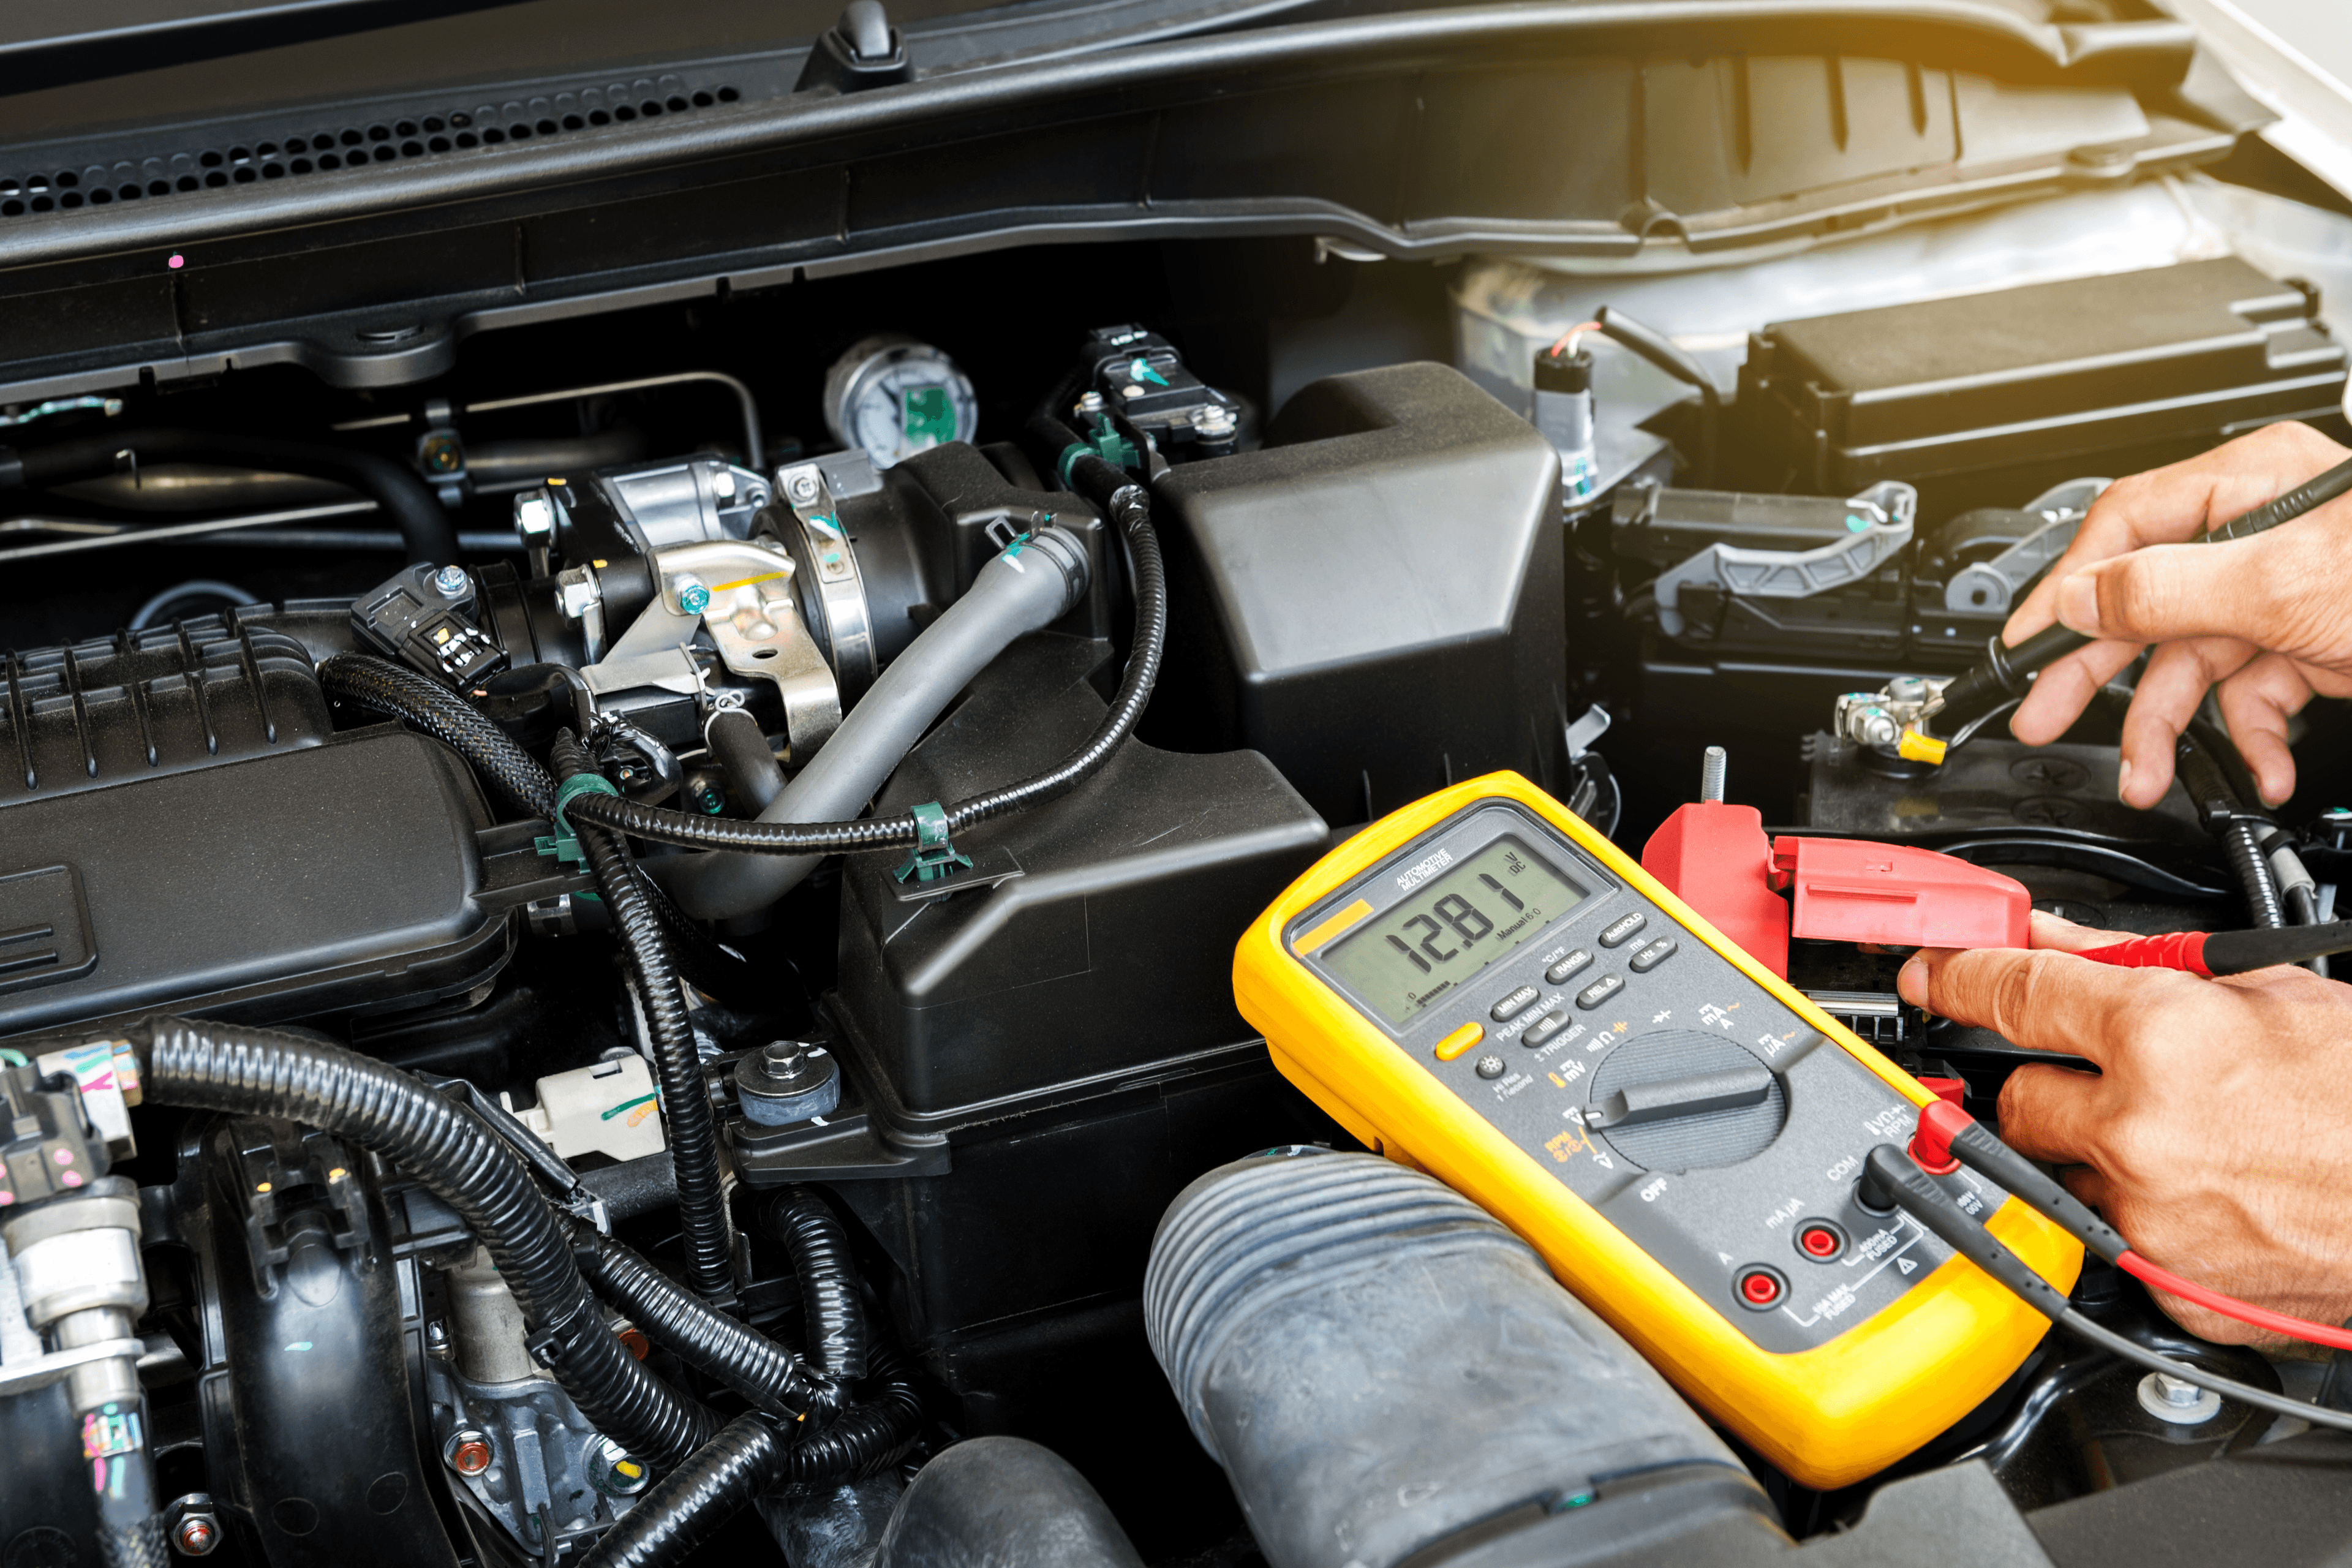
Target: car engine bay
<point>624,925</point>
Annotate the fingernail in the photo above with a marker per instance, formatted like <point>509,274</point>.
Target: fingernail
<point>1912,984</point>
<point>2123,782</point>
<point>2078,603</point>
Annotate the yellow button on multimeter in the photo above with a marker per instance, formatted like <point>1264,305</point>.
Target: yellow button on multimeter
<point>1482,987</point>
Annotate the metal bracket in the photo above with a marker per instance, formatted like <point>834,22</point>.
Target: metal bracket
<point>23,1377</point>
<point>742,592</point>
<point>1993,587</point>
<point>1881,519</point>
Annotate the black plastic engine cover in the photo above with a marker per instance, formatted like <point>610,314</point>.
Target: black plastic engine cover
<point>359,870</point>
<point>1374,600</point>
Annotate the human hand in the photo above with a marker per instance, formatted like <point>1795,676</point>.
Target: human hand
<point>2267,619</point>
<point>2214,1135</point>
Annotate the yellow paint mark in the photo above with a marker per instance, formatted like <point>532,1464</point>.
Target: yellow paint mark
<point>1312,939</point>
<point>337,1174</point>
<point>261,1186</point>
<point>1459,1041</point>
<point>747,582</point>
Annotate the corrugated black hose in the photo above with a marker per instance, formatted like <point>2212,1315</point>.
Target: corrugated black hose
<point>685,1508</point>
<point>1128,508</point>
<point>678,1065</point>
<point>2205,779</point>
<point>876,1431</point>
<point>257,1072</point>
<point>837,1334</point>
<point>378,684</point>
<point>711,1343</point>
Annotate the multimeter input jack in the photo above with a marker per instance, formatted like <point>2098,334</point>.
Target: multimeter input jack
<point>1820,1241</point>
<point>1760,1288</point>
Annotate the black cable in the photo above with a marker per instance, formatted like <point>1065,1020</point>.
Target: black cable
<point>1897,1180</point>
<point>871,1434</point>
<point>835,1334</point>
<point>1659,349</point>
<point>383,686</point>
<point>425,530</point>
<point>687,1507</point>
<point>1128,508</point>
<point>717,1346</point>
<point>249,1071</point>
<point>678,1063</point>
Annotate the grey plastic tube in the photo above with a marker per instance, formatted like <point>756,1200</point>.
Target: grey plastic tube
<point>1011,597</point>
<point>1383,1370</point>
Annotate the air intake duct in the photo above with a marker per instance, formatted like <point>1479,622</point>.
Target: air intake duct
<point>1387,1376</point>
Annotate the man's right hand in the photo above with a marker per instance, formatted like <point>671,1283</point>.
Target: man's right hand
<point>2266,620</point>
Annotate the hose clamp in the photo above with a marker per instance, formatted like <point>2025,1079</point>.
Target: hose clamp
<point>934,856</point>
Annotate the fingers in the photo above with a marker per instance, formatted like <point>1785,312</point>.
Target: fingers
<point>2178,677</point>
<point>2055,931</point>
<point>2256,703</point>
<point>2061,692</point>
<point>2044,1000</point>
<point>2172,505</point>
<point>2051,1113</point>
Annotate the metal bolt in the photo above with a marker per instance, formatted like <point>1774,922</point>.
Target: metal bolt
<point>614,1471</point>
<point>1907,689</point>
<point>1216,420</point>
<point>469,1455</point>
<point>451,582</point>
<point>692,597</point>
<point>1092,403</point>
<point>2177,1400</point>
<point>782,1061</point>
<point>1710,774</point>
<point>195,1535</point>
<point>534,516</point>
<point>436,1334</point>
<point>722,484</point>
<point>802,487</point>
<point>576,591</point>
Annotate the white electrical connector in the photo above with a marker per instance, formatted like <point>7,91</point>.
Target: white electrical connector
<point>607,1108</point>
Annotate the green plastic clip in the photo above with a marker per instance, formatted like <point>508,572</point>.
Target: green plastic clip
<point>1105,443</point>
<point>934,857</point>
<point>564,843</point>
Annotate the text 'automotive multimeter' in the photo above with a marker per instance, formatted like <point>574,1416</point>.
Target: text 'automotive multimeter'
<point>1481,985</point>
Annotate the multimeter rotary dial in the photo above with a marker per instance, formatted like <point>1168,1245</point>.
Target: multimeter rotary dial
<point>1681,1101</point>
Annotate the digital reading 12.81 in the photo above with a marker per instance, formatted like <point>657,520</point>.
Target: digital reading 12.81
<point>1451,929</point>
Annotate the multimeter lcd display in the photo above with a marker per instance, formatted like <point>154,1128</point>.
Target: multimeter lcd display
<point>1455,926</point>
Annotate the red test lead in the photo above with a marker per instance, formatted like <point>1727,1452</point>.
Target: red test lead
<point>2227,951</point>
<point>1949,1137</point>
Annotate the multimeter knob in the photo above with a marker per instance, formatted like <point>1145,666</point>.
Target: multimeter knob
<point>1682,1101</point>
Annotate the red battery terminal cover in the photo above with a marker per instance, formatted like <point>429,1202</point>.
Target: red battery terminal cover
<point>1897,895</point>
<point>1716,859</point>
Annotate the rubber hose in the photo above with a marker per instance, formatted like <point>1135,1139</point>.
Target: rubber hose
<point>144,1544</point>
<point>425,532</point>
<point>378,684</point>
<point>677,1064</point>
<point>734,738</point>
<point>687,1508</point>
<point>819,1248</point>
<point>711,1343</point>
<point>876,1431</point>
<point>259,1072</point>
<point>1010,598</point>
<point>2242,842</point>
<point>988,1501</point>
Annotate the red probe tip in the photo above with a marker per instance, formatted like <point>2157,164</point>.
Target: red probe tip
<point>2178,950</point>
<point>1940,1122</point>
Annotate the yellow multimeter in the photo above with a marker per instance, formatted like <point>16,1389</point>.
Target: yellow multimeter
<point>1482,987</point>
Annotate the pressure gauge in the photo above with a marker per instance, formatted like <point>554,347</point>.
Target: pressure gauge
<point>895,397</point>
